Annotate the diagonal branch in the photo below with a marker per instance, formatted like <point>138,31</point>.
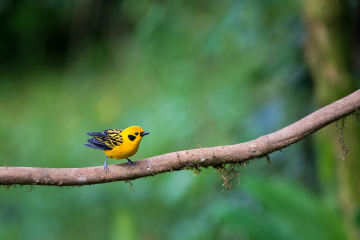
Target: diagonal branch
<point>176,161</point>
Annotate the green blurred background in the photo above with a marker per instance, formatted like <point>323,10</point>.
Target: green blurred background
<point>212,72</point>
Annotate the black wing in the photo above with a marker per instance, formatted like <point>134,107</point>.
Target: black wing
<point>114,136</point>
<point>106,140</point>
<point>93,146</point>
<point>100,141</point>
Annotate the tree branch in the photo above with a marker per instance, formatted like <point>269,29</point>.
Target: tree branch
<point>176,161</point>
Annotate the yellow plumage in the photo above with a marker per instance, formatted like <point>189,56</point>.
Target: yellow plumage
<point>117,143</point>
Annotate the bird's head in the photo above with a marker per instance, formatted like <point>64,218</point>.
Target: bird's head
<point>134,134</point>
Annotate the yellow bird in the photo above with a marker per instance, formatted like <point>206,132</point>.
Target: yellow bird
<point>117,143</point>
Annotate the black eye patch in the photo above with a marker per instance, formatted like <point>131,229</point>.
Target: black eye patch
<point>131,137</point>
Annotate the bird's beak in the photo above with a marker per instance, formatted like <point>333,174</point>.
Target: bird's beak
<point>144,133</point>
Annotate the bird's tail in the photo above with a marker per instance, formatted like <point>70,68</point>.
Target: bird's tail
<point>98,142</point>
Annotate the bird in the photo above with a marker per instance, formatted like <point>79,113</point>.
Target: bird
<point>117,143</point>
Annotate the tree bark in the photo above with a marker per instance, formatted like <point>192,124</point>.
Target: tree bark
<point>176,161</point>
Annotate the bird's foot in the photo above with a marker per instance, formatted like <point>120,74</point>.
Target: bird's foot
<point>131,162</point>
<point>106,167</point>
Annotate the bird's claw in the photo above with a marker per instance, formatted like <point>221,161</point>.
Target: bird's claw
<point>106,167</point>
<point>131,162</point>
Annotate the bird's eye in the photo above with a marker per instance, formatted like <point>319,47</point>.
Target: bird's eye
<point>136,133</point>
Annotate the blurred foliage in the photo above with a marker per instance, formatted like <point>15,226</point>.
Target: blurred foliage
<point>213,72</point>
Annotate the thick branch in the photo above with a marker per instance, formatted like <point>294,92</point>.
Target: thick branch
<point>176,161</point>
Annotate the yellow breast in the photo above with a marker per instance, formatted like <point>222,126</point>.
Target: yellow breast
<point>123,151</point>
